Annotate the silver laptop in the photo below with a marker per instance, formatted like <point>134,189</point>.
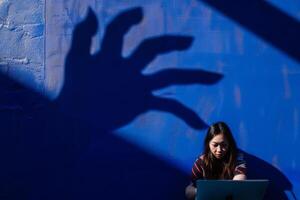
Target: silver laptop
<point>231,189</point>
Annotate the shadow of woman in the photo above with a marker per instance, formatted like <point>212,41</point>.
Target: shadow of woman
<point>279,183</point>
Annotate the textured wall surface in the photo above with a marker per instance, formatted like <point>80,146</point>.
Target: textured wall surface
<point>22,47</point>
<point>258,94</point>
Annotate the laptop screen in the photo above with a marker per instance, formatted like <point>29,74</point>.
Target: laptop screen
<point>231,189</point>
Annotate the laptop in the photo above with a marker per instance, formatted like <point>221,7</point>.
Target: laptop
<point>231,189</point>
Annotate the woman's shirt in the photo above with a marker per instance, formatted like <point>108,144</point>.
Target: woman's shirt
<point>199,172</point>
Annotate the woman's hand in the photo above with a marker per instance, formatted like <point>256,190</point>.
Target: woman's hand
<point>240,177</point>
<point>190,192</point>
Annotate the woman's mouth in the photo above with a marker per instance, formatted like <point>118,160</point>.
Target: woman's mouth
<point>218,155</point>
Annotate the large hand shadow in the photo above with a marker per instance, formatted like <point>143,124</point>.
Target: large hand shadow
<point>111,90</point>
<point>50,150</point>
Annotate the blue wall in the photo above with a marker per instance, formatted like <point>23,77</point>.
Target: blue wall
<point>96,117</point>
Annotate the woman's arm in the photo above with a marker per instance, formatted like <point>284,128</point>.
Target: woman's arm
<point>240,169</point>
<point>197,173</point>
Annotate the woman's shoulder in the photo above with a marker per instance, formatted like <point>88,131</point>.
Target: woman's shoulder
<point>198,170</point>
<point>200,159</point>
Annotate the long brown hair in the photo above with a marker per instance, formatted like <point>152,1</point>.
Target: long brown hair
<point>215,168</point>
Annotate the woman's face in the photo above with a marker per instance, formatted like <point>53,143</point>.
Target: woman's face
<point>218,146</point>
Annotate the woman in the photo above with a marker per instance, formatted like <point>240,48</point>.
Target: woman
<point>220,160</point>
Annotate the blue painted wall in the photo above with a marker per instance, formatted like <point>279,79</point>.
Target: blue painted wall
<point>91,120</point>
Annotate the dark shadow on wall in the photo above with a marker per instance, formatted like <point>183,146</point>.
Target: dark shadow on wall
<point>66,149</point>
<point>45,155</point>
<point>279,183</point>
<point>264,20</point>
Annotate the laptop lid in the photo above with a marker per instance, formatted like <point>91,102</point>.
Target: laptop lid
<point>231,189</point>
